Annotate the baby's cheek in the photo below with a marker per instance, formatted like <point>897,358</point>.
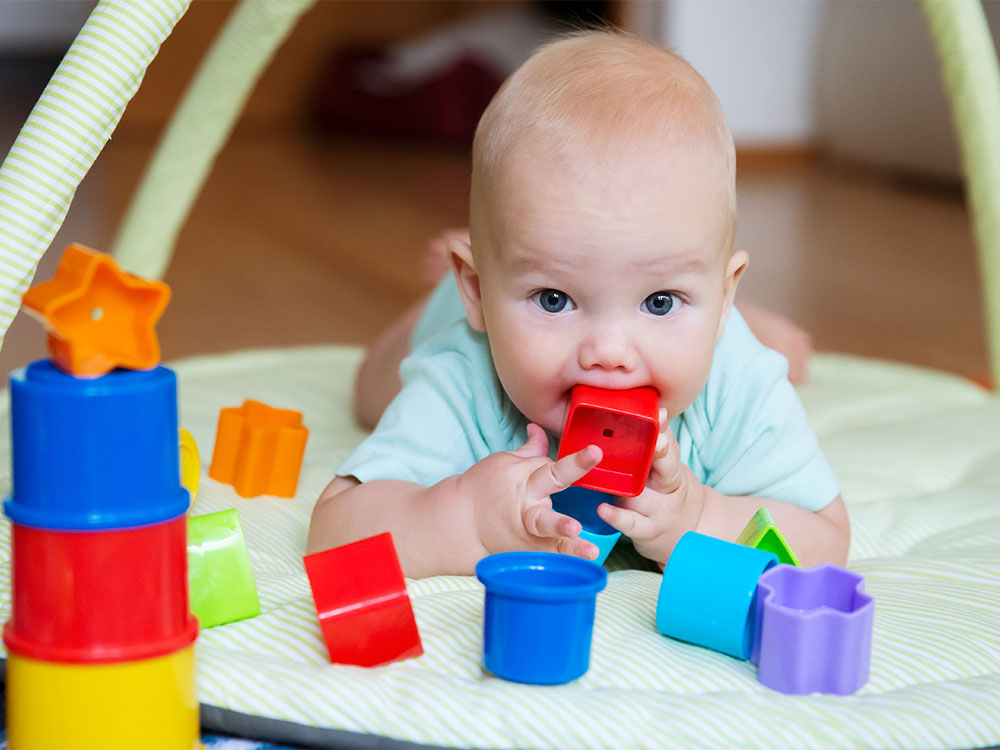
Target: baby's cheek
<point>535,398</point>
<point>682,380</point>
<point>546,408</point>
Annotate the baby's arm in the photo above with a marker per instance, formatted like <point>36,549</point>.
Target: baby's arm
<point>415,515</point>
<point>821,536</point>
<point>499,504</point>
<point>675,502</point>
<point>377,381</point>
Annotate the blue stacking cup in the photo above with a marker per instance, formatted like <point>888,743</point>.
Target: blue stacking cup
<point>94,453</point>
<point>707,593</point>
<point>581,504</point>
<point>539,615</point>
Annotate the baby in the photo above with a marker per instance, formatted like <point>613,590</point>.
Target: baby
<point>602,216</point>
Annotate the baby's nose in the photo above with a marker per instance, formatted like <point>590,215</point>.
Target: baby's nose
<point>608,348</point>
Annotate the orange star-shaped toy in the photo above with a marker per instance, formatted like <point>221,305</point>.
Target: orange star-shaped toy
<point>98,317</point>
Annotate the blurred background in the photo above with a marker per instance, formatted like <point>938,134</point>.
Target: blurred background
<point>353,153</point>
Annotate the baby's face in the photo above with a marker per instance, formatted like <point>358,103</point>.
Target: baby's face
<point>613,275</point>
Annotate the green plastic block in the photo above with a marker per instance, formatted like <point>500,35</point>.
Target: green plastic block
<point>219,576</point>
<point>762,533</point>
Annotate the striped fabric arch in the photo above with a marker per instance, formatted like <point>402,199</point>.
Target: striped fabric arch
<point>82,105</point>
<point>198,130</point>
<point>972,79</point>
<point>67,129</point>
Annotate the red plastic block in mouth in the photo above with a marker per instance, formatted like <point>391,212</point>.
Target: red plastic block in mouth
<point>624,424</point>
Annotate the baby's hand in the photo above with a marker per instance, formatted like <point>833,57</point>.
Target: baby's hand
<point>670,505</point>
<point>510,491</point>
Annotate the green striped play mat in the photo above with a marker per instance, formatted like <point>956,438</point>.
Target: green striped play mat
<point>918,453</point>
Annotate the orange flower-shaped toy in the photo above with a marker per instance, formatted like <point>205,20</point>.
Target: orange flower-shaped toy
<point>259,449</point>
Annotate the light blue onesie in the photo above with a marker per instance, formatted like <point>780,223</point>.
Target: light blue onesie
<point>745,433</point>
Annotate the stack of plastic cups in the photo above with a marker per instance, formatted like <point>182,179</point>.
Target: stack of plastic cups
<point>101,640</point>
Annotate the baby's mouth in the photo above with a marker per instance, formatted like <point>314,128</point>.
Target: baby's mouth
<point>564,402</point>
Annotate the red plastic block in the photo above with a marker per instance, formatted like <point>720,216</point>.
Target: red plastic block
<point>91,597</point>
<point>624,424</point>
<point>363,606</point>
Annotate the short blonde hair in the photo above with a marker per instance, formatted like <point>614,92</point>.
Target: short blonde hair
<point>600,90</point>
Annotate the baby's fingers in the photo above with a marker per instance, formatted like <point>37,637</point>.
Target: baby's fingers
<point>559,532</point>
<point>535,445</point>
<point>633,525</point>
<point>540,520</point>
<point>664,475</point>
<point>664,418</point>
<point>576,547</point>
<point>555,476</point>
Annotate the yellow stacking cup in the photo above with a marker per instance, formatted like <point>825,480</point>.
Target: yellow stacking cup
<point>150,703</point>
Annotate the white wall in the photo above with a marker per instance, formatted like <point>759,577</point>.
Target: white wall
<point>881,99</point>
<point>760,58</point>
<point>859,77</point>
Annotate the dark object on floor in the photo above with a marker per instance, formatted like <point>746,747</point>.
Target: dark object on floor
<point>359,96</point>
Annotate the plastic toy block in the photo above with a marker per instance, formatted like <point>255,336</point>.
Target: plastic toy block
<point>190,463</point>
<point>98,317</point>
<point>762,533</point>
<point>363,607</point>
<point>94,453</point>
<point>707,593</point>
<point>102,596</point>
<point>814,628</point>
<point>625,425</point>
<point>221,581</point>
<point>259,449</point>
<point>538,615</point>
<point>119,706</point>
<point>581,504</point>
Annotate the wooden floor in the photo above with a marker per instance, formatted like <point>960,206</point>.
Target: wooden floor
<point>300,237</point>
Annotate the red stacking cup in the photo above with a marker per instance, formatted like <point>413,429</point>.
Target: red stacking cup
<point>100,596</point>
<point>625,424</point>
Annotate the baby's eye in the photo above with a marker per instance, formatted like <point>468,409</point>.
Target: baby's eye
<point>660,303</point>
<point>553,301</point>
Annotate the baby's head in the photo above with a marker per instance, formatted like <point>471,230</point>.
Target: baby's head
<point>602,222</point>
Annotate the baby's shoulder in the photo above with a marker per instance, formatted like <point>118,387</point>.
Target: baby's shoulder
<point>743,376</point>
<point>457,352</point>
<point>458,364</point>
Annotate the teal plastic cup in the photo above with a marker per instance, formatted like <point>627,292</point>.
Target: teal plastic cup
<point>581,504</point>
<point>707,593</point>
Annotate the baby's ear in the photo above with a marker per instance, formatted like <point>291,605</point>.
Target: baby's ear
<point>463,263</point>
<point>734,272</point>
